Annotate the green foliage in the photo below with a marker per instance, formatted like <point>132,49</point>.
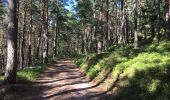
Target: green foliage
<point>28,74</point>
<point>1,78</point>
<point>147,74</point>
<point>24,76</point>
<point>142,74</point>
<point>80,59</point>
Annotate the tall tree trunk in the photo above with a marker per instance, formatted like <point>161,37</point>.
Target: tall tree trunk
<point>23,39</point>
<point>55,38</point>
<point>158,20</point>
<point>167,11</point>
<point>94,39</point>
<point>126,35</point>
<point>19,35</point>
<point>136,25</point>
<point>29,37</point>
<point>1,47</point>
<point>45,36</point>
<point>11,66</point>
<point>101,32</point>
<point>82,44</point>
<point>122,27</point>
<point>56,32</point>
<point>40,42</point>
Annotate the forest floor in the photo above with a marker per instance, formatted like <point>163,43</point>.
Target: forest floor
<point>61,81</point>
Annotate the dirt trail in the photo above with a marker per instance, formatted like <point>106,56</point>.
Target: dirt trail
<point>64,81</point>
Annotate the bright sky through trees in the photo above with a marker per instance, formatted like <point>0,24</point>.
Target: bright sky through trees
<point>70,4</point>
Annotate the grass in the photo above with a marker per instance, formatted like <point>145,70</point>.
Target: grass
<point>1,78</point>
<point>27,75</point>
<point>148,73</point>
<point>142,74</point>
<point>24,76</point>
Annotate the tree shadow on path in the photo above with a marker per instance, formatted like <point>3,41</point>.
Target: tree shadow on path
<point>61,81</point>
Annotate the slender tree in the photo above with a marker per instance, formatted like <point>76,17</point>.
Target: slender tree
<point>45,36</point>
<point>158,21</point>
<point>136,17</point>
<point>167,12</point>
<point>30,37</point>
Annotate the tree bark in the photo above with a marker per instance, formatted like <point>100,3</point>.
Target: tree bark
<point>11,67</point>
<point>136,25</point>
<point>29,37</point>
<point>56,32</point>
<point>45,36</point>
<point>122,27</point>
<point>167,11</point>
<point>158,20</point>
<point>23,39</point>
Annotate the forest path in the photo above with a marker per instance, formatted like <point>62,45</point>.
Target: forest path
<point>64,81</point>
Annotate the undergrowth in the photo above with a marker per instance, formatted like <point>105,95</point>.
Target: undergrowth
<point>24,76</point>
<point>28,74</point>
<point>142,74</point>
